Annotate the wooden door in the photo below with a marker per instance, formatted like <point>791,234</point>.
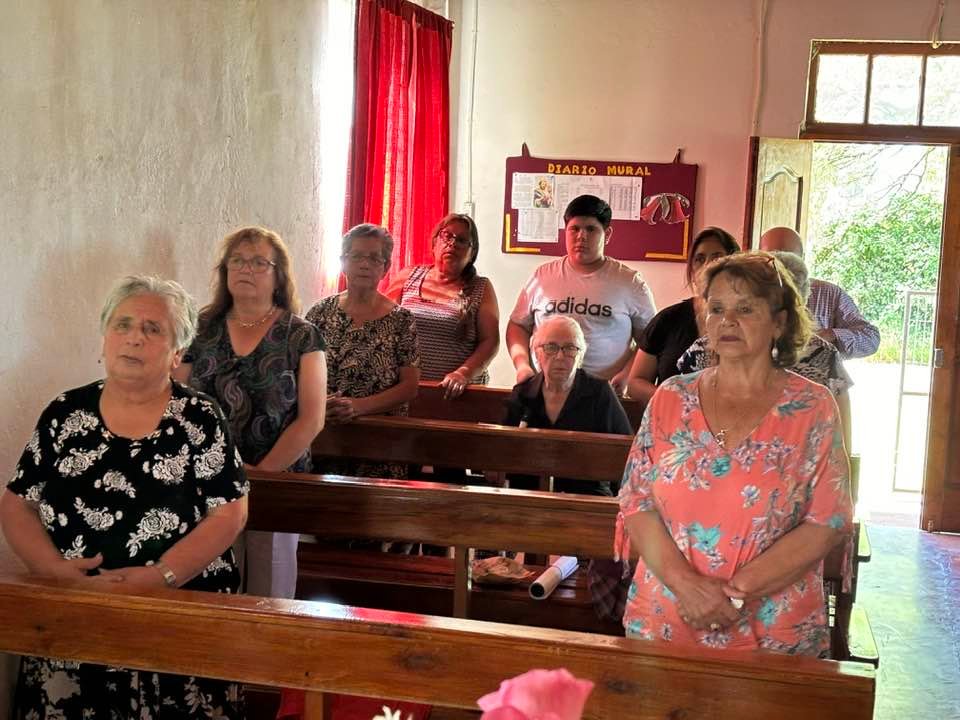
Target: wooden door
<point>941,487</point>
<point>779,187</point>
<point>777,193</point>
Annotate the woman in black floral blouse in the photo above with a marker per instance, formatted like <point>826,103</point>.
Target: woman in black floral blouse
<point>372,357</point>
<point>133,480</point>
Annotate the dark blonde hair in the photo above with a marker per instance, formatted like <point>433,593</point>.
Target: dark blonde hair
<point>285,292</point>
<point>767,278</point>
<point>469,271</point>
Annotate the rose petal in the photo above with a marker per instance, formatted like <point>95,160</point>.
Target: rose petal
<point>541,694</point>
<point>504,713</point>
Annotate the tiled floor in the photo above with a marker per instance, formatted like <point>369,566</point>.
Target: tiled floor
<point>911,592</point>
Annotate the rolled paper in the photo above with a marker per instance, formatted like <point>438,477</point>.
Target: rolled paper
<point>561,569</point>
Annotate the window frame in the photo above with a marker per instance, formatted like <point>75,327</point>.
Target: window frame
<point>810,129</point>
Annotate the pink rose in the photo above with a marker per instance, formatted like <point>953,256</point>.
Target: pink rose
<point>537,695</point>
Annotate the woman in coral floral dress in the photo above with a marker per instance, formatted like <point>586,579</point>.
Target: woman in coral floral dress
<point>736,487</point>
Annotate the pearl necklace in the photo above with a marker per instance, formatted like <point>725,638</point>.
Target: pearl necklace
<point>255,323</point>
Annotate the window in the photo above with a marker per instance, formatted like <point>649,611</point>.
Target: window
<point>883,90</point>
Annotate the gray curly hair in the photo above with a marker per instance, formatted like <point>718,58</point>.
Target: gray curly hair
<point>798,268</point>
<point>183,310</point>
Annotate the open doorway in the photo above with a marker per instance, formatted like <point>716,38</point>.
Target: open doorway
<point>874,227</point>
<point>871,215</point>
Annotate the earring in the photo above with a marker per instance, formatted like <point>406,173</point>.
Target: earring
<point>774,354</point>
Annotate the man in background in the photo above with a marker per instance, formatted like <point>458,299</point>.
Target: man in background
<point>836,314</point>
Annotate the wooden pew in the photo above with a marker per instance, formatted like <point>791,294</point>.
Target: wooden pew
<point>478,446</point>
<point>483,404</point>
<point>464,517</point>
<point>445,662</point>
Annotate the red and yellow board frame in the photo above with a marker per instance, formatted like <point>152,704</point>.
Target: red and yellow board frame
<point>667,198</point>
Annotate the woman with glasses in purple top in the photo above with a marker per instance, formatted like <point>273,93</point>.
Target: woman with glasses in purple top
<point>266,368</point>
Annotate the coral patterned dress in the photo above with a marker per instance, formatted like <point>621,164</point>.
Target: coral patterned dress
<point>723,508</point>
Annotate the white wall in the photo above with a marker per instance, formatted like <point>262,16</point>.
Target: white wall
<point>609,79</point>
<point>133,136</point>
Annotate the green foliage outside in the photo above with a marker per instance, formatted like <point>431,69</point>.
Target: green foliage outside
<point>876,216</point>
<point>876,256</point>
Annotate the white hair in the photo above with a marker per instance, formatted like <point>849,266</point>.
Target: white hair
<point>571,325</point>
<point>183,310</point>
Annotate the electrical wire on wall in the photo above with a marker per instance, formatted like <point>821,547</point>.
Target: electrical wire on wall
<point>469,206</point>
<point>938,25</point>
<point>759,63</point>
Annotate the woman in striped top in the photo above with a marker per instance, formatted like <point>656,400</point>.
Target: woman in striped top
<point>455,309</point>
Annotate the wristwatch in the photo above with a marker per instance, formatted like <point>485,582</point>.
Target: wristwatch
<point>168,575</point>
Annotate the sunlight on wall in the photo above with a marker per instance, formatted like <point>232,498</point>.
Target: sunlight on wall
<point>333,90</point>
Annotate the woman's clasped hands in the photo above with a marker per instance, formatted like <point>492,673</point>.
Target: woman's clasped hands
<point>137,577</point>
<point>341,409</point>
<point>706,603</point>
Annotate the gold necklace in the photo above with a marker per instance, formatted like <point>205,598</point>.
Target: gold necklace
<point>254,323</point>
<point>721,434</point>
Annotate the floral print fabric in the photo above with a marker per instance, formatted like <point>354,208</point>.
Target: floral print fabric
<point>258,391</point>
<point>724,508</point>
<point>364,361</point>
<point>130,500</point>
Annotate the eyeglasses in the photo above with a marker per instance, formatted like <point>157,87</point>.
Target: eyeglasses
<point>256,264</point>
<point>449,238</point>
<point>359,257</point>
<point>551,349</point>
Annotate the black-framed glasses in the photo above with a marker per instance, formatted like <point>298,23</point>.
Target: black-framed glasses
<point>551,349</point>
<point>358,257</point>
<point>256,264</point>
<point>449,238</point>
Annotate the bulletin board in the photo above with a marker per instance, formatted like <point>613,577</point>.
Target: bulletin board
<point>653,205</point>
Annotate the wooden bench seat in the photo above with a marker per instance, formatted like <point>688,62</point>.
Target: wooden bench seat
<point>440,661</point>
<point>400,582</point>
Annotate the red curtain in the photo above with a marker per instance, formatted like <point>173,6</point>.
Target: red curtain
<point>398,172</point>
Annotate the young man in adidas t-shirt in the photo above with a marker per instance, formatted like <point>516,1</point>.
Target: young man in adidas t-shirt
<point>611,302</point>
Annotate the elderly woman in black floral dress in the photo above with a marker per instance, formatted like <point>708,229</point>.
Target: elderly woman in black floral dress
<point>131,480</point>
<point>373,364</point>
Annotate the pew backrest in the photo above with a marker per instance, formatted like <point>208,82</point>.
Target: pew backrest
<point>419,658</point>
<point>465,517</point>
<point>477,446</point>
<point>483,404</point>
<point>454,515</point>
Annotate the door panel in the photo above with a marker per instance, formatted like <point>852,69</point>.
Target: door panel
<point>781,186</point>
<point>941,489</point>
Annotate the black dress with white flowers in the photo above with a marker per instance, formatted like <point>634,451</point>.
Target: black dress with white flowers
<point>130,500</point>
